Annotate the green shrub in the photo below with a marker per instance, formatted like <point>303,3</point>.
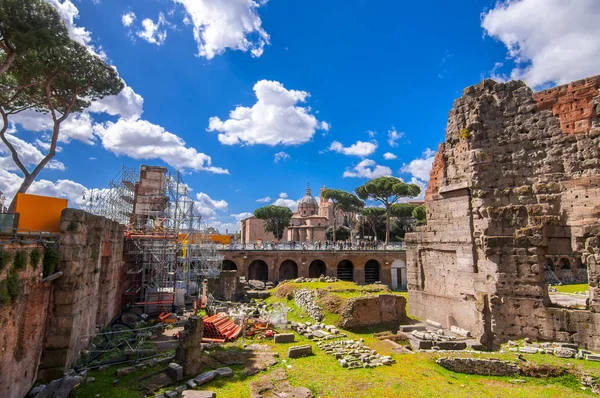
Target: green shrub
<point>20,260</point>
<point>13,285</point>
<point>34,258</point>
<point>50,261</point>
<point>4,297</point>
<point>4,259</point>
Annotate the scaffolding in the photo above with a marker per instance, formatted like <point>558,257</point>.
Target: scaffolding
<point>166,256</point>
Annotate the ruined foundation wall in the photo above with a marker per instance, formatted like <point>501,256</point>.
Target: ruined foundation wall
<point>88,295</point>
<point>22,324</point>
<point>522,171</point>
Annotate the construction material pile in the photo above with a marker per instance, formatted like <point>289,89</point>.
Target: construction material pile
<point>220,328</point>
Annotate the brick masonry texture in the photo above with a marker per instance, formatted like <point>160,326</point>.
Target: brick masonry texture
<point>515,185</point>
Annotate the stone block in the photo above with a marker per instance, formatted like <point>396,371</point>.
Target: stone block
<point>191,384</point>
<point>171,394</point>
<point>125,371</point>
<point>528,350</point>
<point>451,345</point>
<point>424,344</point>
<point>434,324</point>
<point>175,371</point>
<point>199,394</point>
<point>460,331</point>
<point>563,352</point>
<point>411,328</point>
<point>205,377</point>
<point>299,351</point>
<point>592,357</point>
<point>284,338</point>
<point>224,372</point>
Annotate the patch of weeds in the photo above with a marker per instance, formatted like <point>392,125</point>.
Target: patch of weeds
<point>34,258</point>
<point>4,296</point>
<point>465,134</point>
<point>50,261</point>
<point>314,388</point>
<point>72,227</point>
<point>20,260</point>
<point>13,285</point>
<point>4,258</point>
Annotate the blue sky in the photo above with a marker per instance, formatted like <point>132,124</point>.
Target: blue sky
<point>335,81</point>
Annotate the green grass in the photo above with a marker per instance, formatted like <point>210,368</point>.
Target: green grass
<point>582,287</point>
<point>414,374</point>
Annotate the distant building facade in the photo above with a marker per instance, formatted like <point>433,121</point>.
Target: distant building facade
<point>308,223</point>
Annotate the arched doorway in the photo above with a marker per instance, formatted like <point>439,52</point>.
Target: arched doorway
<point>229,265</point>
<point>345,270</point>
<point>398,274</point>
<point>288,270</point>
<point>258,270</point>
<point>317,268</point>
<point>372,268</point>
<point>565,264</point>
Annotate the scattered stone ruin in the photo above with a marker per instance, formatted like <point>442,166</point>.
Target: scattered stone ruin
<point>514,195</point>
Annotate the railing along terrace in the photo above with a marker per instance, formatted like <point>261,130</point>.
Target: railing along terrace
<point>314,246</point>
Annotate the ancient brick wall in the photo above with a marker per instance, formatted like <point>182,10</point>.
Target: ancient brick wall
<point>88,295</point>
<point>22,324</point>
<point>520,187</point>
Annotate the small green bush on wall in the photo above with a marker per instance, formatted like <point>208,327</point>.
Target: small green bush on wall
<point>13,285</point>
<point>50,261</point>
<point>34,258</point>
<point>20,260</point>
<point>4,259</point>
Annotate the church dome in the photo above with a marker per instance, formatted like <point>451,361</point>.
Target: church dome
<point>308,200</point>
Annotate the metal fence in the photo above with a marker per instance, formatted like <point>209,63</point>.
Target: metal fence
<point>314,246</point>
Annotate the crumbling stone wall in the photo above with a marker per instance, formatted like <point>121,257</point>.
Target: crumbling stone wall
<point>387,310</point>
<point>22,325</point>
<point>89,293</point>
<point>516,183</point>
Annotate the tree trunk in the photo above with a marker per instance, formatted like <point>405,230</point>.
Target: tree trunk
<point>388,210</point>
<point>9,60</point>
<point>30,177</point>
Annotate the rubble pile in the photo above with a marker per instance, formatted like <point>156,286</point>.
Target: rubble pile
<point>317,331</point>
<point>353,354</point>
<point>561,350</point>
<point>307,300</point>
<point>327,279</point>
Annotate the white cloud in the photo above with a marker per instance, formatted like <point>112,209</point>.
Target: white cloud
<point>28,154</point>
<point>224,227</point>
<point>151,31</point>
<point>242,216</point>
<point>368,169</point>
<point>207,207</point>
<point>359,149</point>
<point>127,104</point>
<point>280,156</point>
<point>128,18</point>
<point>550,40</point>
<point>78,126</point>
<point>389,156</point>
<point>274,119</point>
<point>289,203</point>
<point>266,199</point>
<point>223,24</point>
<point>394,136</point>
<point>283,195</point>
<point>421,167</point>
<point>69,13</point>
<point>73,191</point>
<point>140,139</point>
<point>372,133</point>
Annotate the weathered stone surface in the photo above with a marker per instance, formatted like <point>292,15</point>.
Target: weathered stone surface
<point>199,394</point>
<point>306,299</point>
<point>563,352</point>
<point>224,372</point>
<point>484,367</point>
<point>175,371</point>
<point>512,203</point>
<point>382,310</point>
<point>205,377</point>
<point>299,351</point>
<point>284,338</point>
<point>125,371</point>
<point>189,352</point>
